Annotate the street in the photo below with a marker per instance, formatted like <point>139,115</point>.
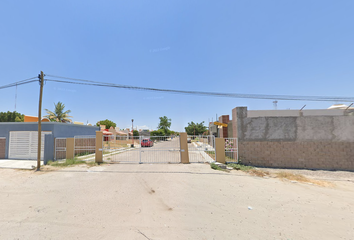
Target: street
<point>168,201</point>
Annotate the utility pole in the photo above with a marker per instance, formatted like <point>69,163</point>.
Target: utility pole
<point>40,121</point>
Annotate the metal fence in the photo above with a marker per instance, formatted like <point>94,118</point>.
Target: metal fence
<point>160,149</point>
<point>85,147</point>
<point>60,148</point>
<point>231,150</point>
<point>121,148</point>
<point>141,149</point>
<point>201,148</point>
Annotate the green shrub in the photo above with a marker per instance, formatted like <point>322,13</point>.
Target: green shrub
<point>66,163</point>
<point>241,167</point>
<point>215,167</point>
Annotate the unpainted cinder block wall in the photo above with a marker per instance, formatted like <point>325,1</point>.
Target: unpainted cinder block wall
<point>309,142</point>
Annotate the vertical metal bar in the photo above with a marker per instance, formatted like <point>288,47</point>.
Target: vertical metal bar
<point>213,137</point>
<point>140,149</point>
<point>237,149</point>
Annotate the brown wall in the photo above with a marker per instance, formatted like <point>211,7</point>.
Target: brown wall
<point>220,150</point>
<point>223,131</point>
<point>2,147</point>
<point>234,123</point>
<point>309,155</point>
<point>184,146</point>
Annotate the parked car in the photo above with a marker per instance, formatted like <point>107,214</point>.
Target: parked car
<point>147,143</point>
<point>189,140</point>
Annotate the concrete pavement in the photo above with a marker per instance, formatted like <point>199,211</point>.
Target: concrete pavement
<point>18,164</point>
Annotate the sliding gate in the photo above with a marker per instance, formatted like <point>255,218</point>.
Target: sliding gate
<point>154,149</point>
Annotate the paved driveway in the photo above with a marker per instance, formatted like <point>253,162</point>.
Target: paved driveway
<point>18,164</point>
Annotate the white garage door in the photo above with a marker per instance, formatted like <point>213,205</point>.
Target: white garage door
<point>24,145</point>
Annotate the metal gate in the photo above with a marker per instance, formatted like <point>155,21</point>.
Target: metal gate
<point>24,145</point>
<point>201,149</point>
<point>231,150</point>
<point>160,149</point>
<point>140,149</point>
<point>60,148</point>
<point>121,149</point>
<point>85,147</point>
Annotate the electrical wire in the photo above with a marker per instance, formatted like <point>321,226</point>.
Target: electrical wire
<point>200,93</point>
<point>22,82</point>
<point>214,94</point>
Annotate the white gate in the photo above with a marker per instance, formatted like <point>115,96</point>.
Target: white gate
<point>231,150</point>
<point>160,149</point>
<point>141,149</point>
<point>24,145</point>
<point>201,148</point>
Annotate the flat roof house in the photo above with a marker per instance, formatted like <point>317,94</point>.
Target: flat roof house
<point>19,140</point>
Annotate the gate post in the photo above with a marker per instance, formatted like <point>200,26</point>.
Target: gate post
<point>99,147</point>
<point>70,148</point>
<point>220,150</point>
<point>184,147</point>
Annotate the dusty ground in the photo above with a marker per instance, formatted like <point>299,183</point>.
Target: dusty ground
<point>167,201</point>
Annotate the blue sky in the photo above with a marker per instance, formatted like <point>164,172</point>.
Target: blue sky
<point>289,47</point>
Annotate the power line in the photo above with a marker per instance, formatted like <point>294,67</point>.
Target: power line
<point>200,93</point>
<point>22,82</point>
<point>214,94</point>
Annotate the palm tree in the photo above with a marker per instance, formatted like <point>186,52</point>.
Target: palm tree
<point>58,115</point>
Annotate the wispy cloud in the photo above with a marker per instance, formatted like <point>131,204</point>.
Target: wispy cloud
<point>155,50</point>
<point>64,89</point>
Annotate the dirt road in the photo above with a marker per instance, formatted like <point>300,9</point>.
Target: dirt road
<point>168,201</point>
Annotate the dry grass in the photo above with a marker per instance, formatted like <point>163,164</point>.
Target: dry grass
<point>258,172</point>
<point>303,179</point>
<point>71,162</point>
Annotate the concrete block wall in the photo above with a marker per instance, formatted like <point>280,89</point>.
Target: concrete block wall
<point>310,142</point>
<point>230,133</point>
<point>307,155</point>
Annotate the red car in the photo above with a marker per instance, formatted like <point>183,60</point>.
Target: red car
<point>147,143</point>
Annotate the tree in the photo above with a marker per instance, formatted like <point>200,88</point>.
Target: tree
<point>158,133</point>
<point>135,133</point>
<point>196,128</point>
<point>11,117</point>
<point>164,125</point>
<point>59,115</point>
<point>106,122</point>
